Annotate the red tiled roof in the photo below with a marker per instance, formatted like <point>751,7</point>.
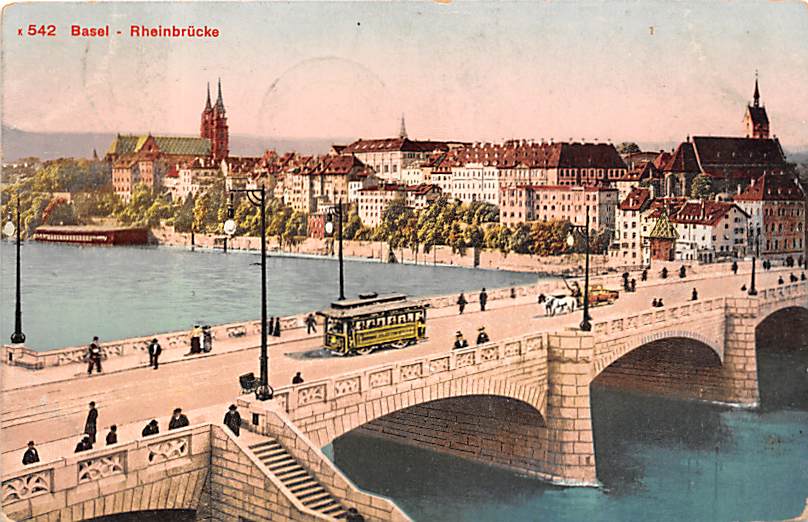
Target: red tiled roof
<point>758,115</point>
<point>773,187</point>
<point>636,199</point>
<point>669,205</point>
<point>662,159</point>
<point>527,154</point>
<point>722,152</point>
<point>703,212</point>
<point>682,160</point>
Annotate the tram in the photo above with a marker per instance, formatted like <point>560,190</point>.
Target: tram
<point>359,326</point>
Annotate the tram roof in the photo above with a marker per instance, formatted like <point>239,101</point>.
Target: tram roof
<point>371,305</point>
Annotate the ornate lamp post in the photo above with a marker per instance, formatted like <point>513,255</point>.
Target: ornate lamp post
<point>329,229</point>
<point>258,198</point>
<point>9,229</point>
<point>752,289</point>
<point>585,324</point>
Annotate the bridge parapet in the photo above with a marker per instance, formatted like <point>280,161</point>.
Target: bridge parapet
<point>113,479</point>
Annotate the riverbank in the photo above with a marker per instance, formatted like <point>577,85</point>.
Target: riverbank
<point>379,251</point>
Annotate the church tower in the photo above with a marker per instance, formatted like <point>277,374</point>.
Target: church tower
<point>214,126</point>
<point>756,120</point>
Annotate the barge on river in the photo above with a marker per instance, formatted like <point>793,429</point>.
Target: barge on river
<point>92,235</point>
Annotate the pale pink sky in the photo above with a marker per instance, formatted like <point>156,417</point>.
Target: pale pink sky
<point>647,72</point>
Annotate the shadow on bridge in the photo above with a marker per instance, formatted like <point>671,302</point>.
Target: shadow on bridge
<point>782,359</point>
<point>161,515</point>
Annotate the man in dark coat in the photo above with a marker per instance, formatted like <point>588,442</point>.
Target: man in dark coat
<point>84,445</point>
<point>94,356</point>
<point>311,324</point>
<point>461,302</point>
<point>276,332</point>
<point>178,420</point>
<point>482,337</point>
<point>483,300</point>
<point>152,428</point>
<point>734,267</point>
<point>154,353</point>
<point>695,295</point>
<point>112,436</point>
<point>91,422</point>
<point>460,342</point>
<point>297,379</point>
<point>31,456</point>
<point>232,419</point>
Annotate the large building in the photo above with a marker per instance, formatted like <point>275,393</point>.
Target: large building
<point>522,203</point>
<point>374,201</point>
<point>776,206</point>
<point>389,156</point>
<point>710,230</point>
<point>631,229</point>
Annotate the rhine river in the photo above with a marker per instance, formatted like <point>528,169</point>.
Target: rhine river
<point>658,459</point>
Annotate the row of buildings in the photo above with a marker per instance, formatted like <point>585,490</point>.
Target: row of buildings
<point>636,196</point>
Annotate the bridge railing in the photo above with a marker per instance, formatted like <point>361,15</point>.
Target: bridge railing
<point>117,463</point>
<point>377,380</point>
<point>785,291</point>
<point>668,314</point>
<point>26,357</point>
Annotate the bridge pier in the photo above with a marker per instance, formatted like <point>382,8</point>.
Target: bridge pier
<point>571,453</point>
<point>740,360</point>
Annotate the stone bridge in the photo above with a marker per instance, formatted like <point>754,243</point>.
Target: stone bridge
<point>524,403</point>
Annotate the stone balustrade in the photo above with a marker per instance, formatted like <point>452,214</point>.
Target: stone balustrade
<point>656,317</point>
<point>181,340</point>
<point>74,483</point>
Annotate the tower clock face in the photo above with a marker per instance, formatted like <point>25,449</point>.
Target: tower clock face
<point>329,228</point>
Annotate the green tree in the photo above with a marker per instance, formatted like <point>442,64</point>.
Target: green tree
<point>701,187</point>
<point>628,147</point>
<point>521,241</point>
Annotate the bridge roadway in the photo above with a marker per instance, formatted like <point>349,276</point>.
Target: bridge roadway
<point>53,410</point>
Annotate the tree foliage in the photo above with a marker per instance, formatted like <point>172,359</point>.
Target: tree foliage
<point>701,187</point>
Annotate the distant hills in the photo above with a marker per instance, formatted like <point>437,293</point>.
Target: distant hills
<point>18,144</point>
<point>50,145</point>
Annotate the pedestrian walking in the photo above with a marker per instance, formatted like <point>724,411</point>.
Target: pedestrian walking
<point>483,299</point>
<point>112,436</point>
<point>660,304</point>
<point>743,287</point>
<point>31,455</point>
<point>311,324</point>
<point>682,272</point>
<point>793,278</point>
<point>94,356</point>
<point>734,268</point>
<point>542,298</point>
<point>513,293</point>
<point>460,342</point>
<point>633,285</point>
<point>654,303</point>
<point>482,337</point>
<point>232,419</point>
<point>152,428</point>
<point>625,281</point>
<point>644,275</point>
<point>196,333</point>
<point>91,422</point>
<point>780,280</point>
<point>276,332</point>
<point>802,276</point>
<point>297,379</point>
<point>154,350</point>
<point>694,296</point>
<point>664,273</point>
<point>461,302</point>
<point>85,444</point>
<point>178,420</point>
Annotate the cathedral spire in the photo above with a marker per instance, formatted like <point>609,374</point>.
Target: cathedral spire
<point>757,92</point>
<point>207,104</point>
<point>219,101</point>
<point>402,133</point>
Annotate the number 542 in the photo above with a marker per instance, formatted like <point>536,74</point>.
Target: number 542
<point>41,30</point>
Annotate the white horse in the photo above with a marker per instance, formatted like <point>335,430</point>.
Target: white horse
<point>559,304</point>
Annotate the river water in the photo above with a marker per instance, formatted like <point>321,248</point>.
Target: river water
<point>658,459</point>
<point>70,293</point>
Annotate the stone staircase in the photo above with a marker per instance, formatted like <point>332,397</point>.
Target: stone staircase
<point>297,479</point>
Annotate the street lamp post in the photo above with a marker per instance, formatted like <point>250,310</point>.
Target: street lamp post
<point>18,337</point>
<point>329,229</point>
<point>258,198</point>
<point>586,326</point>
<point>752,289</point>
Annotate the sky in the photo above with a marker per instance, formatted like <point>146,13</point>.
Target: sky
<point>651,72</point>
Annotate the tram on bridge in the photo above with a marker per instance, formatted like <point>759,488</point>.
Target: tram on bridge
<point>360,326</point>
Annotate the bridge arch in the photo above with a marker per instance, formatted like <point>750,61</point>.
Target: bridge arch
<point>492,429</point>
<point>629,345</point>
<point>463,388</point>
<point>673,363</point>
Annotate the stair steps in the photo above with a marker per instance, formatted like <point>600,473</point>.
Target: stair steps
<point>302,484</point>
